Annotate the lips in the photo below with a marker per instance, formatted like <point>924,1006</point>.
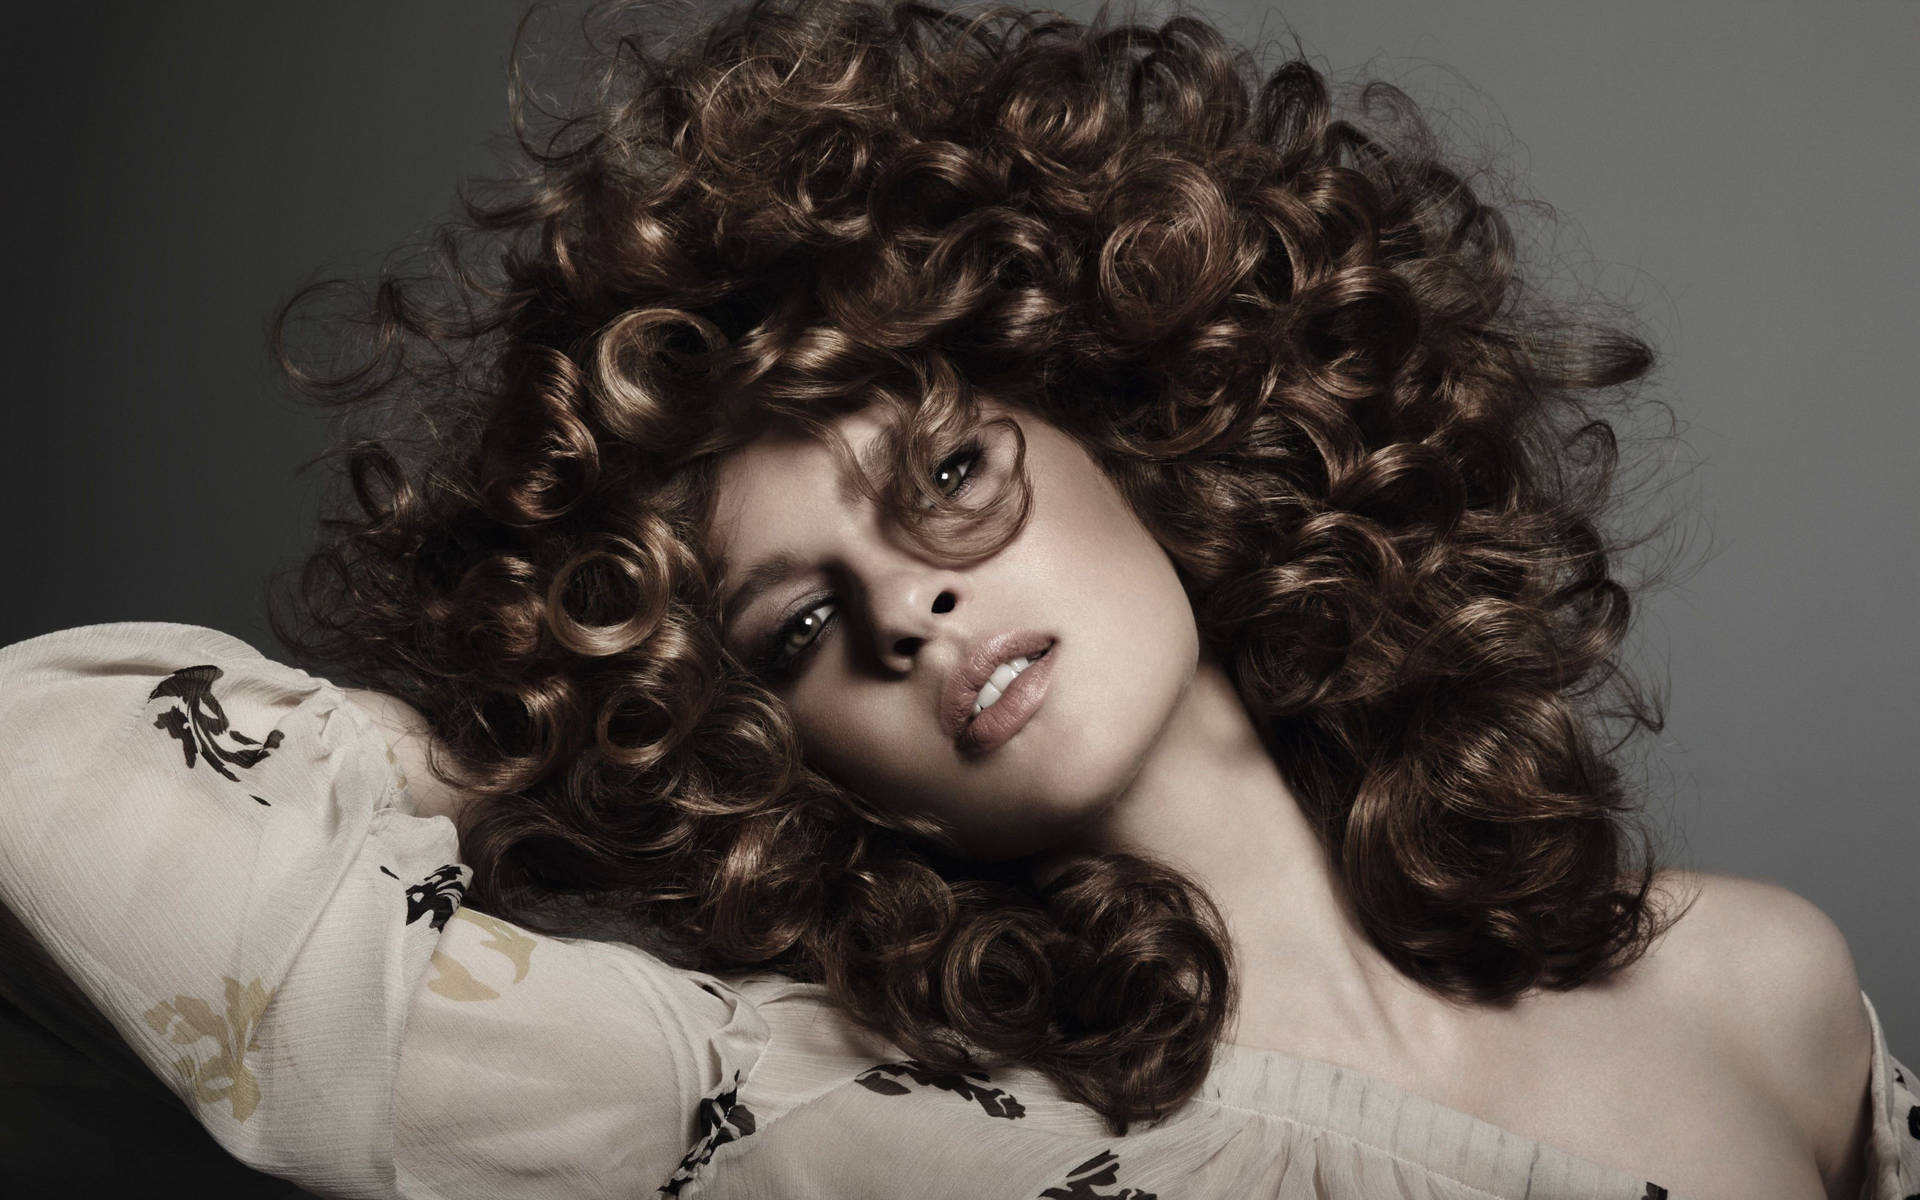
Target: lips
<point>976,667</point>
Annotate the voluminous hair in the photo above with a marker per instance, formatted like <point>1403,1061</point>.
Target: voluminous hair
<point>1298,342</point>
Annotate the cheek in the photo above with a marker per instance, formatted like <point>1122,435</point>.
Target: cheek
<point>870,744</point>
<point>861,736</point>
<point>1102,562</point>
<point>1130,629</point>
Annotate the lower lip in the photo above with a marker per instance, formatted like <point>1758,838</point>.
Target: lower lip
<point>991,727</point>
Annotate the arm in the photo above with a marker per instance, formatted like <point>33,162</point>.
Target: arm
<point>212,849</point>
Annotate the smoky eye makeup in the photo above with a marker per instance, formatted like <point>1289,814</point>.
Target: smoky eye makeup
<point>775,656</point>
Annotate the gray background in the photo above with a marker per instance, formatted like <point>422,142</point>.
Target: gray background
<point>1745,174</point>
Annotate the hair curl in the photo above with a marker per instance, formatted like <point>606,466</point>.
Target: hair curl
<point>1298,342</point>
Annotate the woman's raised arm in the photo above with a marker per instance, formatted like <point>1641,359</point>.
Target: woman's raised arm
<point>217,851</point>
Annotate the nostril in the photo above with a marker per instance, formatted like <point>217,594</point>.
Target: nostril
<point>906,646</point>
<point>943,603</point>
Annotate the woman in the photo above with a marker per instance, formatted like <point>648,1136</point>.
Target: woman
<point>1051,585</point>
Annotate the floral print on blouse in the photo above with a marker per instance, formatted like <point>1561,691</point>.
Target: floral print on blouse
<point>221,854</point>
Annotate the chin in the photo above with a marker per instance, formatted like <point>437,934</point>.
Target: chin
<point>1058,823</point>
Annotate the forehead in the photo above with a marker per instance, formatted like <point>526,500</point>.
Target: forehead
<point>787,474</point>
<point>775,498</point>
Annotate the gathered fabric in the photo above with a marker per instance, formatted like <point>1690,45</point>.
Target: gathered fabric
<point>218,859</point>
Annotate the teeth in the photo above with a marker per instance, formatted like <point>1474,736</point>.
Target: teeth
<point>996,684</point>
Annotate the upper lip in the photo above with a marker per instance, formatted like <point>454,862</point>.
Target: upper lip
<point>975,667</point>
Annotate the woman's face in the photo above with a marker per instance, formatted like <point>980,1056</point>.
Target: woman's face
<point>878,633</point>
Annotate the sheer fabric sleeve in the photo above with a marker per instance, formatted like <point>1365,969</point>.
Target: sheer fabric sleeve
<point>1893,1144</point>
<point>216,850</point>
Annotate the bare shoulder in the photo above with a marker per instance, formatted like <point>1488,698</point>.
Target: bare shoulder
<point>410,737</point>
<point>1770,977</point>
<point>1755,951</point>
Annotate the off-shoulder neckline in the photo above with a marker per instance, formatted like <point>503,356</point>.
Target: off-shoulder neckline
<point>1322,1095</point>
<point>1411,1127</point>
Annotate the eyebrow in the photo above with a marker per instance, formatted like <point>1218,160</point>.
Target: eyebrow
<point>759,578</point>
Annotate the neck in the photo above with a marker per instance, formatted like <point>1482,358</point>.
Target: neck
<point>1211,802</point>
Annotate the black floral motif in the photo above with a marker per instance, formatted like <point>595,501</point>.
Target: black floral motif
<point>723,1119</point>
<point>439,894</point>
<point>1654,1192</point>
<point>1103,1169</point>
<point>993,1101</point>
<point>198,722</point>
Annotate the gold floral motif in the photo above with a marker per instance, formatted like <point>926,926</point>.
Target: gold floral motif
<point>456,982</point>
<point>186,1020</point>
<point>399,772</point>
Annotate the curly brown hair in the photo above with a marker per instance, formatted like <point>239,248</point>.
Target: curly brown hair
<point>1299,343</point>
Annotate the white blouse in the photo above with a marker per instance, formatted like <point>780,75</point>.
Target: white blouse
<point>219,852</point>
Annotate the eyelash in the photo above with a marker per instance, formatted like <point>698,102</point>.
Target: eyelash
<point>773,660</point>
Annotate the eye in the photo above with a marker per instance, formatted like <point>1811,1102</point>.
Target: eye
<point>955,473</point>
<point>794,639</point>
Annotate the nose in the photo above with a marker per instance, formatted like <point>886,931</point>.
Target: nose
<point>905,607</point>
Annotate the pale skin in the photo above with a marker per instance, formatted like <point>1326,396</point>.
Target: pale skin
<point>1730,1062</point>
